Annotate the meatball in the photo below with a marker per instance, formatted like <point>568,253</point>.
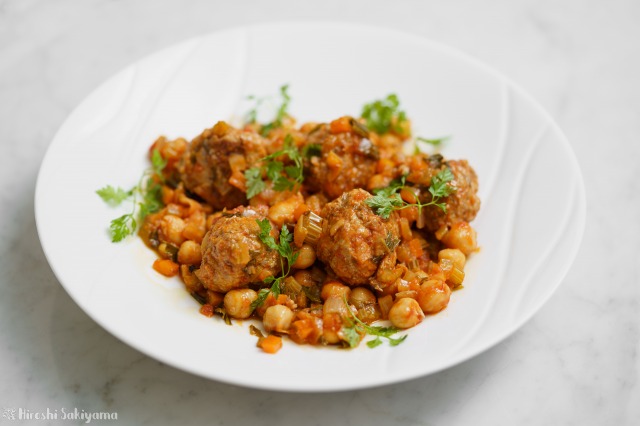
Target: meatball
<point>462,205</point>
<point>212,158</point>
<point>233,255</point>
<point>355,241</point>
<point>347,161</point>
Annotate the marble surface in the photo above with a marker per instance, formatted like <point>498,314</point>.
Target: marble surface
<point>575,363</point>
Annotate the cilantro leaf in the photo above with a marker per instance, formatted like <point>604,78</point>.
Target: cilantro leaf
<point>158,163</point>
<point>281,112</point>
<point>149,189</point>
<point>113,196</point>
<point>433,141</point>
<point>284,178</point>
<point>383,204</point>
<point>254,182</point>
<point>375,342</point>
<point>265,234</point>
<point>440,183</point>
<point>284,249</point>
<point>384,115</point>
<point>121,227</point>
<point>351,336</point>
<point>361,327</point>
<point>312,150</point>
<point>388,199</point>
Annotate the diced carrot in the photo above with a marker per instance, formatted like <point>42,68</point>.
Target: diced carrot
<point>166,267</point>
<point>207,310</point>
<point>270,344</point>
<point>340,125</point>
<point>385,166</point>
<point>299,211</point>
<point>416,247</point>
<point>408,195</point>
<point>334,161</point>
<point>167,195</point>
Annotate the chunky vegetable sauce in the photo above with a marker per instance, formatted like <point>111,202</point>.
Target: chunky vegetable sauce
<point>319,230</point>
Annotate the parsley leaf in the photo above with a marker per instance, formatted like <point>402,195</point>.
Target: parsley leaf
<point>284,249</point>
<point>265,234</point>
<point>440,183</point>
<point>434,142</point>
<point>388,199</point>
<point>281,113</point>
<point>121,227</point>
<point>383,204</point>
<point>254,182</point>
<point>284,178</point>
<point>384,115</point>
<point>113,196</point>
<point>312,150</point>
<point>149,188</point>
<point>358,327</point>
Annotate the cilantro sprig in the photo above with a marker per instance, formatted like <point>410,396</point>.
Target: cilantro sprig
<point>146,198</point>
<point>281,113</point>
<point>353,332</point>
<point>284,178</point>
<point>284,249</point>
<point>386,200</point>
<point>434,142</point>
<point>384,115</point>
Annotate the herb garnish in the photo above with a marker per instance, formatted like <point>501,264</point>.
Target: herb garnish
<point>388,199</point>
<point>281,113</point>
<point>384,115</point>
<point>149,188</point>
<point>283,177</point>
<point>284,249</point>
<point>353,332</point>
<point>312,150</point>
<point>435,142</point>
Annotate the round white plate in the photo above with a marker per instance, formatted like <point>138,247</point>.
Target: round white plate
<point>529,227</point>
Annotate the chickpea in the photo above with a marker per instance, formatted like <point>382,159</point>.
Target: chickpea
<point>454,255</point>
<point>283,211</point>
<point>277,318</point>
<point>461,236</point>
<point>366,304</point>
<point>333,312</point>
<point>361,296</point>
<point>189,253</point>
<point>334,289</point>
<point>306,257</point>
<point>433,296</point>
<point>171,228</point>
<point>405,313</point>
<point>237,302</point>
<point>305,278</point>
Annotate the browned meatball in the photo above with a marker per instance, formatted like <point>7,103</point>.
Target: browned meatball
<point>463,204</point>
<point>355,241</point>
<point>206,165</point>
<point>347,161</point>
<point>232,253</point>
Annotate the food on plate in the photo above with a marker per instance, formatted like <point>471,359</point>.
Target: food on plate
<point>319,230</point>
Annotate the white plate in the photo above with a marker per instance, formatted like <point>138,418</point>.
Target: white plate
<point>530,224</point>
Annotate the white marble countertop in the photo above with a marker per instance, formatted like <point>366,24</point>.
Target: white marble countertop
<point>575,363</point>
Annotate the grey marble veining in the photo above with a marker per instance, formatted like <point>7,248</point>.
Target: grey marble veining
<point>576,362</point>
